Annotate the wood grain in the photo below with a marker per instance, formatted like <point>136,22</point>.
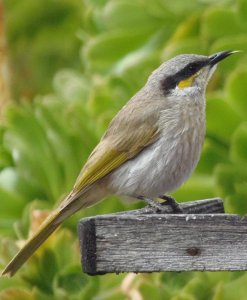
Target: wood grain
<point>163,242</point>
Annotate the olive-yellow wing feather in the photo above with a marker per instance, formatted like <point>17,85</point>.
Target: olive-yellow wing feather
<point>103,160</point>
<point>134,128</point>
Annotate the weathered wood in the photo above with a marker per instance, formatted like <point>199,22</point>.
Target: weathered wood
<point>213,205</point>
<point>140,241</point>
<point>152,243</point>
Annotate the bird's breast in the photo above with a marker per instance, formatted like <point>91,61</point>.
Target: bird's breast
<point>164,165</point>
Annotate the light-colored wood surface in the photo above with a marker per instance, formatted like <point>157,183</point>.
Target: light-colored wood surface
<point>151,242</point>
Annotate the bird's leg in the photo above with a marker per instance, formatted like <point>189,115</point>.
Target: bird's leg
<point>173,203</point>
<point>154,204</point>
<point>160,206</point>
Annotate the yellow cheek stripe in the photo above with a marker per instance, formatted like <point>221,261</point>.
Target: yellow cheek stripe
<point>186,83</point>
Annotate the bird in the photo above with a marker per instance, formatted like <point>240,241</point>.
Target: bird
<point>150,148</point>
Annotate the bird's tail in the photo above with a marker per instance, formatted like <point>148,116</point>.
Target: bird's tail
<point>44,231</point>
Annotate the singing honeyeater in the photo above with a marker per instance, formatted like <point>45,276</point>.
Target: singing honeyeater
<point>150,148</point>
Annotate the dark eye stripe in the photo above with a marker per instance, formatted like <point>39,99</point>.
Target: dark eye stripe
<point>168,84</point>
<point>190,69</point>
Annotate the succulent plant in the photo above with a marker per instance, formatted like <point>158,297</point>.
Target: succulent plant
<point>43,143</point>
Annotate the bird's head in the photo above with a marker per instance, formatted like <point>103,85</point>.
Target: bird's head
<point>186,73</point>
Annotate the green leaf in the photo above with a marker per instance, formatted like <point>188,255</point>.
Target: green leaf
<point>238,151</point>
<point>129,15</point>
<point>236,203</point>
<point>175,282</point>
<point>222,120</point>
<point>103,52</point>
<point>72,280</point>
<point>48,266</point>
<point>92,289</point>
<point>235,289</point>
<point>26,133</point>
<point>152,292</point>
<point>214,18</point>
<point>178,7</point>
<point>212,154</point>
<point>242,12</point>
<point>231,184</point>
<point>189,28</point>
<point>197,187</point>
<point>197,287</point>
<point>66,240</point>
<point>237,93</point>
<point>188,45</point>
<point>42,272</point>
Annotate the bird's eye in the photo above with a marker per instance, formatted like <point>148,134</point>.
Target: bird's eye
<point>193,67</point>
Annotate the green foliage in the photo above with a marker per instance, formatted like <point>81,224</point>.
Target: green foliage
<point>44,143</point>
<point>42,38</point>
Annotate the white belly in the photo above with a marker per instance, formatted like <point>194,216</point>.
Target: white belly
<point>161,167</point>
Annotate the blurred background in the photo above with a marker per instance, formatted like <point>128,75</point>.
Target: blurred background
<point>66,68</point>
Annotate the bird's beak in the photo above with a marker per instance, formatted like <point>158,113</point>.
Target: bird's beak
<point>217,57</point>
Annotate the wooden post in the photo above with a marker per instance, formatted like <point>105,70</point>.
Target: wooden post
<point>140,241</point>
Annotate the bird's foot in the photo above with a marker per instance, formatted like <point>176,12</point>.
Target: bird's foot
<point>172,203</point>
<point>156,206</point>
<point>159,207</point>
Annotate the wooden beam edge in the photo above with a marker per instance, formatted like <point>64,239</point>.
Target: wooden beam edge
<point>87,239</point>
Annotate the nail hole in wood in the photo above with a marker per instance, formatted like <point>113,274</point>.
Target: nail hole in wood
<point>194,251</point>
